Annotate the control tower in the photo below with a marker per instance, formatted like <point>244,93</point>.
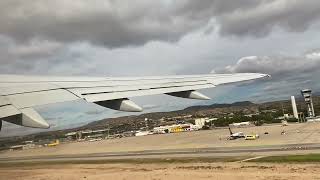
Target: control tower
<point>306,93</point>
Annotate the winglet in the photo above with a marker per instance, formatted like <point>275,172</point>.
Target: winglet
<point>32,118</point>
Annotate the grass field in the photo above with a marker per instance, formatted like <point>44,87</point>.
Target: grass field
<point>308,158</point>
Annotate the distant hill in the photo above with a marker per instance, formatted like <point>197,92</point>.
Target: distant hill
<point>316,93</point>
<point>135,122</point>
<point>243,103</point>
<point>128,123</point>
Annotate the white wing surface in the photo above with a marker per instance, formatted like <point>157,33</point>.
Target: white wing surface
<point>19,94</point>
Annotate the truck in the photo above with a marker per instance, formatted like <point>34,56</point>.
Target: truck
<point>251,137</point>
<point>55,143</point>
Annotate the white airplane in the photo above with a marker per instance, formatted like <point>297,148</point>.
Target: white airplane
<point>20,94</point>
<point>236,135</point>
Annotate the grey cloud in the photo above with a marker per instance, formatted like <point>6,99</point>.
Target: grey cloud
<point>117,23</point>
<point>109,23</point>
<point>259,21</point>
<point>27,57</point>
<point>210,8</point>
<point>34,49</point>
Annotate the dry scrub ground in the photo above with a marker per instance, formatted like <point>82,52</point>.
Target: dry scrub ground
<point>176,171</point>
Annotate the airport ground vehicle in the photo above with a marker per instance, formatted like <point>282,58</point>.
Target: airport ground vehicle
<point>251,137</point>
<point>55,143</point>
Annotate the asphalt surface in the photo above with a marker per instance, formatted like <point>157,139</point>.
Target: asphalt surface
<point>200,152</point>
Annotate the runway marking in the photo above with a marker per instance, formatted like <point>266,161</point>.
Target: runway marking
<point>253,158</point>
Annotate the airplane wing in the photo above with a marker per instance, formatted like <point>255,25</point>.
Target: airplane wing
<point>20,94</point>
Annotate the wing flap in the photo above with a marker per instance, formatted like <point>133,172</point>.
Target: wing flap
<point>40,98</point>
<point>135,93</point>
<point>20,88</point>
<point>141,86</point>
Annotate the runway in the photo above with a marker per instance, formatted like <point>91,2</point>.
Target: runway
<point>176,153</point>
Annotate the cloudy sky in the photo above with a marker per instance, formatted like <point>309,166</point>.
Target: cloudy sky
<point>143,37</point>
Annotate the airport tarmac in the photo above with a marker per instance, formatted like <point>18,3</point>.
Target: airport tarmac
<point>307,133</point>
<point>100,159</point>
<point>298,138</point>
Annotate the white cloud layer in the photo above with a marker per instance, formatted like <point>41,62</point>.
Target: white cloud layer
<point>277,65</point>
<point>290,74</point>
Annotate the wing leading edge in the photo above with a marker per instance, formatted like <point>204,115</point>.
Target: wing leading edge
<point>19,94</point>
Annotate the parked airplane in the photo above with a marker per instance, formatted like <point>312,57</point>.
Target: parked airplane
<point>236,135</point>
<point>20,94</point>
